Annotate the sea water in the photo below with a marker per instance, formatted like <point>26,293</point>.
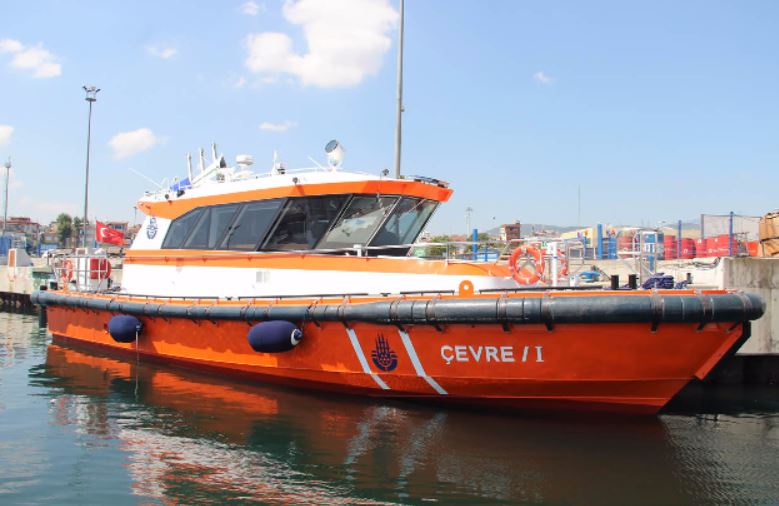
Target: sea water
<point>77,427</point>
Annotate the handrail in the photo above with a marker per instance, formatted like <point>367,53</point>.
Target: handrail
<point>253,176</point>
<point>76,272</point>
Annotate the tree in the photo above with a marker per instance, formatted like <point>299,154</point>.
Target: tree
<point>438,251</point>
<point>64,229</point>
<point>78,224</point>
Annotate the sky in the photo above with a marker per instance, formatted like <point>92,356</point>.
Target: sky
<point>652,111</point>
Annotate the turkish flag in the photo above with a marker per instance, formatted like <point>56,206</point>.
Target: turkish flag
<point>108,234</point>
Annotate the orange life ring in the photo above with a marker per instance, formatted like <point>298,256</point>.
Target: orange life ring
<point>67,270</point>
<point>522,275</point>
<point>99,268</point>
<point>563,270</point>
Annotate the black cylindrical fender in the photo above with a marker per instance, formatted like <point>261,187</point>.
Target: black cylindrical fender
<point>274,336</point>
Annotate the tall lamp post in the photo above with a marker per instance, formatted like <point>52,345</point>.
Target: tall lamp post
<point>399,109</point>
<point>91,97</point>
<point>7,177</point>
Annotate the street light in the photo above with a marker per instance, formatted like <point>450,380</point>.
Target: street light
<point>7,177</point>
<point>91,97</point>
<point>399,109</point>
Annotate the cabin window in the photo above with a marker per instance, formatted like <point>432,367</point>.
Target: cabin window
<point>250,225</point>
<point>304,221</point>
<point>198,238</point>
<point>180,228</point>
<point>211,227</point>
<point>405,223</point>
<point>358,222</point>
<point>221,216</point>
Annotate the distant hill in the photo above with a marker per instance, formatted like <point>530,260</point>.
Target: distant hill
<point>529,228</point>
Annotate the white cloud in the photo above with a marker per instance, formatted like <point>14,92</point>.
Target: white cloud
<point>346,42</point>
<point>277,127</point>
<point>162,52</point>
<point>239,82</point>
<point>10,46</point>
<point>5,134</point>
<point>40,61</point>
<point>251,8</point>
<point>130,143</point>
<point>543,78</point>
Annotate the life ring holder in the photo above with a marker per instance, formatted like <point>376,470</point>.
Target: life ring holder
<point>522,275</point>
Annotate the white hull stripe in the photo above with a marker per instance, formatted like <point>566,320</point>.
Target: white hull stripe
<point>417,364</point>
<point>363,361</point>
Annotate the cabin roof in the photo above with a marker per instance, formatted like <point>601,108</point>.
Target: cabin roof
<point>173,203</point>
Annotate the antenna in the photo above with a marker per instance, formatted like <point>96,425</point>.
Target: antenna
<point>147,178</point>
<point>202,160</point>
<point>213,151</point>
<point>189,167</point>
<point>316,163</point>
<point>278,167</point>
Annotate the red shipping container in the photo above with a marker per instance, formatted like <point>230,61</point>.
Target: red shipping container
<point>625,244</point>
<point>670,246</point>
<point>753,248</point>
<point>701,248</point>
<point>723,245</point>
<point>712,247</point>
<point>688,248</point>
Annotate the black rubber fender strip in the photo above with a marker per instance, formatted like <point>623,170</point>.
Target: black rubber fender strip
<point>549,310</point>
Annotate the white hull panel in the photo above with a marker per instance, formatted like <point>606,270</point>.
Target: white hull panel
<point>192,281</point>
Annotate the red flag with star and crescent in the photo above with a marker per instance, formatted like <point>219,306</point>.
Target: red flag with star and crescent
<point>107,234</point>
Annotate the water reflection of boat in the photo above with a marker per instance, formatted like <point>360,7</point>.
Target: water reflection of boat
<point>189,437</point>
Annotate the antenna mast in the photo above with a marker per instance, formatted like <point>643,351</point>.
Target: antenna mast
<point>400,94</point>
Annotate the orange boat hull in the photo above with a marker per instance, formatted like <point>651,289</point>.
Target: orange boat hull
<point>614,367</point>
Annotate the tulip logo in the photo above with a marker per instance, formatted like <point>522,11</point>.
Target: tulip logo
<point>383,356</point>
<point>151,228</point>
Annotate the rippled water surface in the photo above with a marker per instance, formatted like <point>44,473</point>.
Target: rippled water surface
<point>81,428</point>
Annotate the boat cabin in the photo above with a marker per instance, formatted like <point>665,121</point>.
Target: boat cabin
<point>332,212</point>
<point>381,224</point>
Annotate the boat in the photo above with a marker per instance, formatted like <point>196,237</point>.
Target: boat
<point>305,277</point>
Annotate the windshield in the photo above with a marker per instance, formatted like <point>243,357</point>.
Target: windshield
<point>407,220</point>
<point>358,222</point>
<point>304,221</point>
